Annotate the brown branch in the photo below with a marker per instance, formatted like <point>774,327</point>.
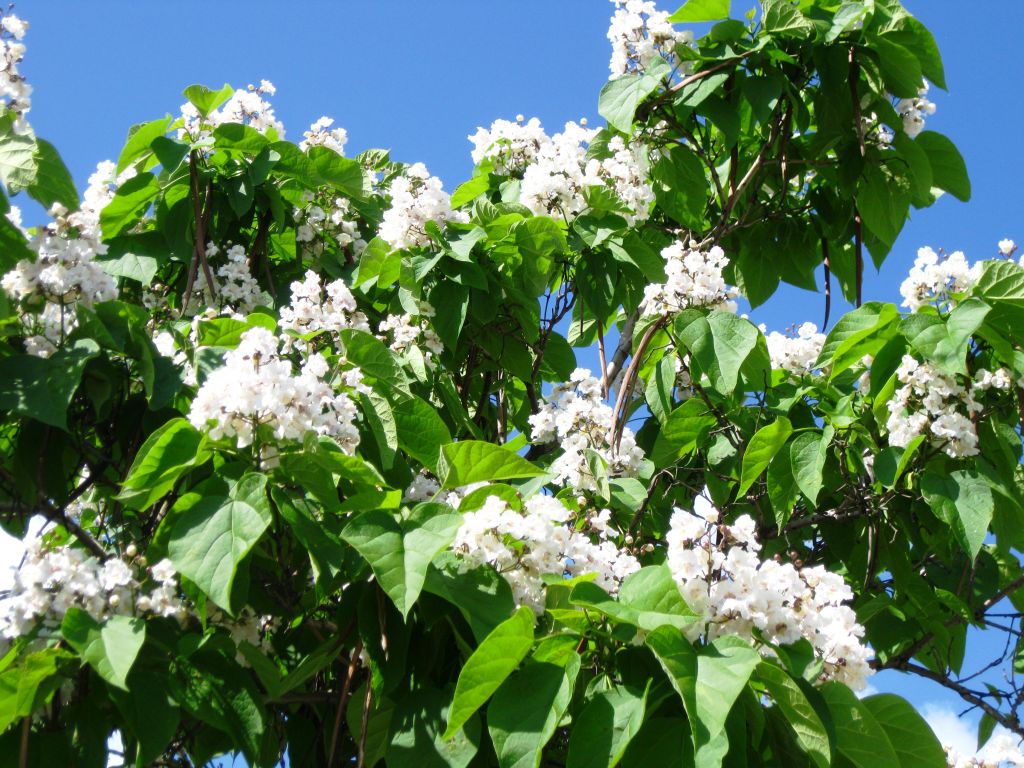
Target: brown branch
<point>601,357</point>
<point>364,726</point>
<point>624,346</point>
<point>828,283</point>
<point>339,717</point>
<point>858,245</point>
<point>629,380</point>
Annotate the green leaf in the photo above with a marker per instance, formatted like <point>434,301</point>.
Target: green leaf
<point>720,346</point>
<point>663,742</point>
<point>134,266</point>
<point>761,449</point>
<point>808,452</point>
<point>683,432</point>
<point>791,697</point>
<point>658,392</point>
<point>481,594</point>
<point>381,420</point>
<point>605,727</point>
<point>680,186</point>
<point>883,200</point>
<point>454,301</point>
<point>416,736</point>
<point>946,342</point>
<point>900,68</point>
<point>53,182</point>
<point>343,173</point>
<point>168,453</point>
<point>486,669</point>
<point>701,10</point>
<point>18,166</point>
<point>859,737</point>
<point>527,708</point>
<point>212,537</point>
<point>473,461</point>
<point>205,99</point>
<point>470,190</point>
<point>241,138</point>
<point>150,715</point>
<point>421,431</point>
<point>140,137</point>
<point>784,19</point>
<point>110,648</point>
<point>42,388</point>
<point>326,551</point>
<point>723,670</point>
<point>373,358</point>
<point>892,462</point>
<point>963,500</point>
<point>783,491</point>
<point>648,599</point>
<point>27,685</point>
<point>400,551</point>
<point>128,204</point>
<point>861,332</point>
<point>620,97</point>
<point>910,735</point>
<point>949,170</point>
<point>679,660</point>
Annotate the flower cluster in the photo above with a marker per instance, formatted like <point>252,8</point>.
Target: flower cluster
<point>50,581</point>
<point>13,87</point>
<point>236,287</point>
<point>416,198</point>
<point>511,146</point>
<point>913,111</point>
<point>795,354</point>
<point>1001,750</point>
<point>555,183</point>
<point>338,222</point>
<point>575,415</point>
<point>693,279</point>
<point>933,404</point>
<point>246,107</point>
<point>724,580</point>
<point>938,281</point>
<point>315,307</point>
<point>524,546</point>
<point>257,387</point>
<point>320,134</point>
<point>406,331</point>
<point>640,34</point>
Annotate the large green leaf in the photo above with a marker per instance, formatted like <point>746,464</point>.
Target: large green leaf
<point>761,449</point>
<point>859,737</point>
<point>489,665</point>
<point>416,734</point>
<point>213,535</point>
<point>783,18</point>
<point>949,171</point>
<point>150,715</point>
<point>53,182</point>
<point>946,342</point>
<point>110,648</point>
<point>701,10</point>
<point>683,432</point>
<point>527,708</point>
<point>421,431</point>
<point>27,685</point>
<point>808,453</point>
<point>648,599</point>
<point>861,332</point>
<point>723,670</point>
<point>481,594</point>
<point>910,735</point>
<point>963,500</point>
<point>474,461</point>
<point>42,388</point>
<point>206,100</point>
<point>620,97</point>
<point>722,345</point>
<point>399,551</point>
<point>168,453</point>
<point>128,204</point>
<point>605,727</point>
<point>791,697</point>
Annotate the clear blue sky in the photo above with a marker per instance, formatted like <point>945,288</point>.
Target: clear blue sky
<point>418,77</point>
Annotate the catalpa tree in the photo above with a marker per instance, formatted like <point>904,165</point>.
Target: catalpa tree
<point>305,467</point>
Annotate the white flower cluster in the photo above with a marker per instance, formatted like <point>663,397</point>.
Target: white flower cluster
<point>525,546</point>
<point>639,34</point>
<point>402,332</point>
<point>575,415</point>
<point>338,223</point>
<point>913,111</point>
<point>512,146</point>
<point>236,287</point>
<point>50,581</point>
<point>936,405</point>
<point>938,281</point>
<point>795,354</point>
<point>1001,751</point>
<point>315,307</point>
<point>1007,247</point>
<point>13,87</point>
<point>246,106</point>
<point>693,279</point>
<point>256,386</point>
<point>724,581</point>
<point>555,183</point>
<point>320,134</point>
<point>416,198</point>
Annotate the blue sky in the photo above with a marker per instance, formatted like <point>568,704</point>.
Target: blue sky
<point>418,77</point>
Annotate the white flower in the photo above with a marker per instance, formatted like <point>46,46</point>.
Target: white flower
<point>320,134</point>
<point>512,146</point>
<point>795,354</point>
<point>693,279</point>
<point>913,111</point>
<point>416,198</point>
<point>1007,247</point>
<point>932,281</point>
<point>639,34</point>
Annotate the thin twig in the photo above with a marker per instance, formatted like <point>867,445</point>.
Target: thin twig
<point>364,726</point>
<point>623,348</point>
<point>346,689</point>
<point>626,387</point>
<point>601,357</point>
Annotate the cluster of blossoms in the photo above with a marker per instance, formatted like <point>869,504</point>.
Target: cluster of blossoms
<point>640,34</point>
<point>316,307</point>
<point>50,581</point>
<point>538,541</point>
<point>511,146</point>
<point>406,331</point>
<point>938,281</point>
<point>256,386</point>
<point>416,198</point>
<point>933,404</point>
<point>693,278</point>
<point>65,272</point>
<point>1002,750</point>
<point>13,87</point>
<point>735,592</point>
<point>913,111</point>
<point>236,287</point>
<point>555,183</point>
<point>576,416</point>
<point>338,223</point>
<point>246,107</point>
<point>795,354</point>
<point>320,134</point>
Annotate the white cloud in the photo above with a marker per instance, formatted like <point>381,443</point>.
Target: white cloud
<point>952,730</point>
